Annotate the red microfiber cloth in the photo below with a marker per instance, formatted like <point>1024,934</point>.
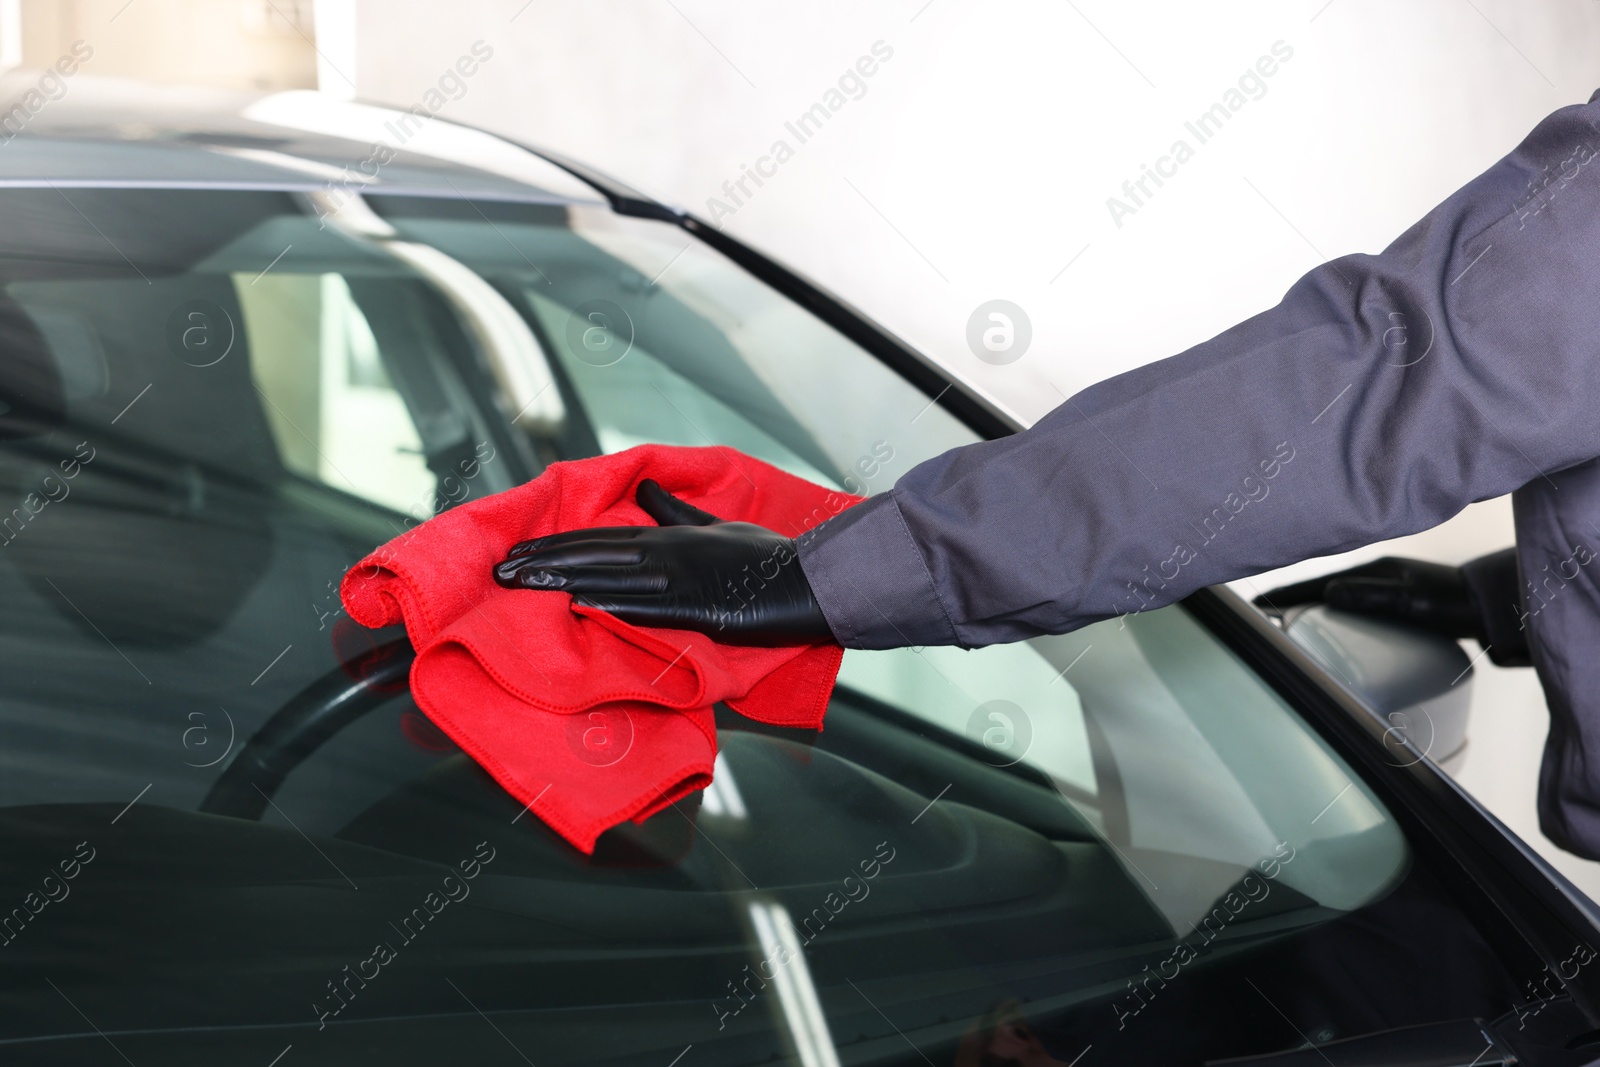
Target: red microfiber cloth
<point>587,720</point>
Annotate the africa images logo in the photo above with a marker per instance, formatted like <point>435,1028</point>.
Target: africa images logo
<point>998,332</point>
<point>600,737</point>
<point>1004,731</point>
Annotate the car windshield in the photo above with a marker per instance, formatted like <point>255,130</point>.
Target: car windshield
<point>213,402</point>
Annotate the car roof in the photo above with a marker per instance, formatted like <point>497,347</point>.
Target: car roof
<point>87,130</point>
<point>84,130</point>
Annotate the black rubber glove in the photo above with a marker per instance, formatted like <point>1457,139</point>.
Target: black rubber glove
<point>1480,599</point>
<point>738,583</point>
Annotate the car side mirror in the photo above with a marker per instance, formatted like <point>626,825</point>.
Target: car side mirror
<point>1417,681</point>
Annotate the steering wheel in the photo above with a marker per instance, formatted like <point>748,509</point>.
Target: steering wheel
<point>303,725</point>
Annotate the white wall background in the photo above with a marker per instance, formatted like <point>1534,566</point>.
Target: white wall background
<point>978,164</point>
<point>979,161</point>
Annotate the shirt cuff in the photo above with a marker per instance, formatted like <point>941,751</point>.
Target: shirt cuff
<point>871,581</point>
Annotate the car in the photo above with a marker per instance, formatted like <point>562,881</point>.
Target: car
<point>244,339</point>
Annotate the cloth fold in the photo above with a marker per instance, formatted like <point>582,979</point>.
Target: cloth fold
<point>585,719</point>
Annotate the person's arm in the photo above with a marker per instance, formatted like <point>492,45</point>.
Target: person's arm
<point>1558,552</point>
<point>1383,394</point>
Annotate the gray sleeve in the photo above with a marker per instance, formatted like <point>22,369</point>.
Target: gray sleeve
<point>1558,542</point>
<point>1381,396</point>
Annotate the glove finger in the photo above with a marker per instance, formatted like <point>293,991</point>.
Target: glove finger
<point>645,610</point>
<point>582,554</point>
<point>1392,568</point>
<point>627,581</point>
<point>1288,596</point>
<point>669,510</point>
<point>1441,611</point>
<point>534,571</point>
<point>594,533</point>
<point>1315,590</point>
<point>1370,596</point>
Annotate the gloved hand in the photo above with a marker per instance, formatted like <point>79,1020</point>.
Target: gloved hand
<point>1480,599</point>
<point>736,582</point>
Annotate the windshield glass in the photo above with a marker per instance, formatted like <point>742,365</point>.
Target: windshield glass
<point>213,403</point>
